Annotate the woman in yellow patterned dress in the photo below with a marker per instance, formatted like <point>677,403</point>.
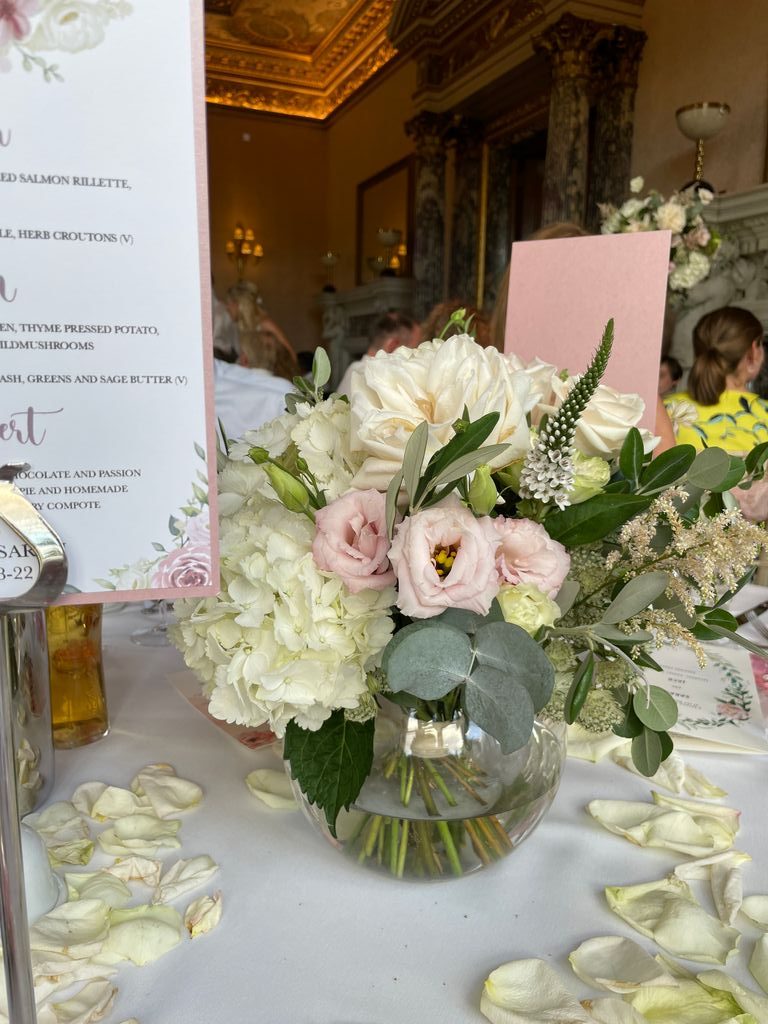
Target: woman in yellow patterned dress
<point>728,344</point>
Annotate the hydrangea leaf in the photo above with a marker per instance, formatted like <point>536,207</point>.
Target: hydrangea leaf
<point>184,876</point>
<point>332,763</point>
<point>668,912</point>
<point>143,934</point>
<point>617,965</point>
<point>203,914</point>
<point>272,787</point>
<point>529,992</point>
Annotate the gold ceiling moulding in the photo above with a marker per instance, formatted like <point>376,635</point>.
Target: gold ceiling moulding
<point>308,76</point>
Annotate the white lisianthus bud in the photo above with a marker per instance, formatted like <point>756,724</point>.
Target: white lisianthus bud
<point>590,476</point>
<point>526,606</point>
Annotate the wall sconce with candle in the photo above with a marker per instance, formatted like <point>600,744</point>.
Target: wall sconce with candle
<point>697,122</point>
<point>243,247</point>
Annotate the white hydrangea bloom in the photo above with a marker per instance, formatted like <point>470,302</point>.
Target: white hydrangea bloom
<point>690,273</point>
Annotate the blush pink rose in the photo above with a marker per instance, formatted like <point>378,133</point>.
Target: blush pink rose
<point>471,581</point>
<point>189,566</point>
<point>527,554</point>
<point>351,540</point>
<point>732,711</point>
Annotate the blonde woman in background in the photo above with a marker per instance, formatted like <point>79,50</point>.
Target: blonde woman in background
<point>267,346</point>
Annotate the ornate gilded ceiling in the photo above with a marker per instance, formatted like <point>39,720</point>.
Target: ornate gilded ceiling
<point>299,57</point>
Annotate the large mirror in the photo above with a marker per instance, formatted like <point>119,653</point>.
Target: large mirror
<point>385,223</point>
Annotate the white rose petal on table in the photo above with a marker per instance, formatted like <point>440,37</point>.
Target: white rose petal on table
<point>668,912</point>
<point>143,934</point>
<point>747,1000</point>
<point>64,832</point>
<point>203,914</point>
<point>663,827</point>
<point>756,909</point>
<point>758,962</point>
<point>184,876</point>
<point>97,885</point>
<point>137,869</point>
<point>272,787</point>
<point>612,1011</point>
<point>689,1003</point>
<point>529,992</point>
<point>617,965</point>
<point>724,873</point>
<point>165,792</point>
<point>79,927</point>
<point>140,834</point>
<point>92,1003</point>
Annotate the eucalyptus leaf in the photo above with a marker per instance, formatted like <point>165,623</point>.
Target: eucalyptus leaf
<point>637,595</point>
<point>646,752</point>
<point>403,634</point>
<point>413,459</point>
<point>709,468</point>
<point>567,594</point>
<point>630,726</point>
<point>512,651</point>
<point>579,689</point>
<point>616,636</point>
<point>632,455</point>
<point>332,763</point>
<point>667,468</point>
<point>756,458</point>
<point>430,662</point>
<point>667,746</point>
<point>500,706</point>
<point>655,708</point>
<point>321,367</point>
<point>594,518</point>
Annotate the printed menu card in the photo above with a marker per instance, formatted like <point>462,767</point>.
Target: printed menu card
<point>719,705</point>
<point>105,295</point>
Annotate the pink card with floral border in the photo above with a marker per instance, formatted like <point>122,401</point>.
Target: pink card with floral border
<point>563,291</point>
<point>105,300</point>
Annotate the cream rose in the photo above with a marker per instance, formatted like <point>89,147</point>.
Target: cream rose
<point>604,424</point>
<point>671,217</point>
<point>527,607</point>
<point>393,392</point>
<point>70,25</point>
<point>445,558</point>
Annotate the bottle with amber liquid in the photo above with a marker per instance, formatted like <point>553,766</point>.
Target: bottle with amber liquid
<point>78,701</point>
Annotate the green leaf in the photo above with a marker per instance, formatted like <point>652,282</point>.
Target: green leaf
<point>636,596</point>
<point>667,745</point>
<point>413,459</point>
<point>403,634</point>
<point>738,639</point>
<point>655,708</point>
<point>470,622</point>
<point>200,451</point>
<point>390,505</point>
<point>594,518</point>
<point>616,636</point>
<point>321,367</point>
<point>710,468</point>
<point>714,623</point>
<point>105,584</point>
<point>172,527</point>
<point>646,752</point>
<point>468,440</point>
<point>466,464</point>
<point>510,650</point>
<point>332,763</point>
<point>630,726</point>
<point>734,475</point>
<point>756,458</point>
<point>500,707</point>
<point>429,662</point>
<point>579,689</point>
<point>632,455</point>
<point>668,468</point>
<point>566,595</point>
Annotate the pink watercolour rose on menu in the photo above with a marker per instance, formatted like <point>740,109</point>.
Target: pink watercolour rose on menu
<point>527,554</point>
<point>351,541</point>
<point>732,711</point>
<point>14,19</point>
<point>187,566</point>
<point>445,558</point>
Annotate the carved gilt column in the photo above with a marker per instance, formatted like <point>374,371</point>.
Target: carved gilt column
<point>426,130</point>
<point>498,235</point>
<point>615,65</point>
<point>463,257</point>
<point>567,44</point>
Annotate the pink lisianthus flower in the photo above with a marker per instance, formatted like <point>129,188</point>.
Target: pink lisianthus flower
<point>351,540</point>
<point>444,557</point>
<point>527,554</point>
<point>14,19</point>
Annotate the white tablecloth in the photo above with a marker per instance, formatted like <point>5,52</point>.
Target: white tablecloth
<point>310,938</point>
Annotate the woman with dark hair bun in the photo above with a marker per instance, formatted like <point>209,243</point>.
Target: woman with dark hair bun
<point>728,347</point>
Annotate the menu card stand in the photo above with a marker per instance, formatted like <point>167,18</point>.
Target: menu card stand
<point>24,520</point>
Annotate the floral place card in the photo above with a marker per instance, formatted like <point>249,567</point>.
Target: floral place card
<point>105,295</point>
<point>719,705</point>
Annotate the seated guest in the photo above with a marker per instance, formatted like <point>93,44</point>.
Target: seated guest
<point>268,346</point>
<point>246,394</point>
<point>670,373</point>
<point>728,355</point>
<point>389,332</point>
<point>225,343</point>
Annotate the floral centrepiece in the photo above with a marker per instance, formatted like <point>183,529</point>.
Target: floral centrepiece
<point>476,565</point>
<point>694,244</point>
